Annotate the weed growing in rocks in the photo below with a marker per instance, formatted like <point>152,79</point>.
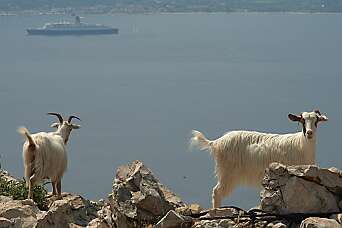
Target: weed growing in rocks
<point>18,191</point>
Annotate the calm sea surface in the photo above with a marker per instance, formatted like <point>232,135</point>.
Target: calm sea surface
<point>141,92</point>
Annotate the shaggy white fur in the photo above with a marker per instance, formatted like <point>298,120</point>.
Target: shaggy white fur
<point>45,155</point>
<point>241,157</point>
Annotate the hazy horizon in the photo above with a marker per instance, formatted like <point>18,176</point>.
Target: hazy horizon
<point>136,6</point>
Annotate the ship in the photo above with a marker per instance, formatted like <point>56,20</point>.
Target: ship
<point>76,28</point>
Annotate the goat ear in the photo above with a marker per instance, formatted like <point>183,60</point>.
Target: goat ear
<point>317,112</point>
<point>322,118</point>
<point>294,117</point>
<point>54,125</point>
<point>75,126</point>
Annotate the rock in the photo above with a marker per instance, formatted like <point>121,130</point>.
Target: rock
<point>319,189</point>
<point>329,178</point>
<point>18,213</point>
<point>72,225</point>
<point>6,223</point>
<point>279,225</point>
<point>228,223</point>
<point>314,198</point>
<point>100,203</point>
<point>138,198</point>
<point>105,214</point>
<point>314,222</point>
<point>72,209</point>
<point>220,223</point>
<point>221,212</point>
<point>221,217</point>
<point>98,223</point>
<point>8,177</point>
<point>189,209</point>
<point>104,219</point>
<point>174,220</point>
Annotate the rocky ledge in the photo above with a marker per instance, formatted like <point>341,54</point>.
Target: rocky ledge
<point>293,196</point>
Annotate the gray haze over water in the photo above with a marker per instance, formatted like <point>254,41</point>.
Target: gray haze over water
<point>141,92</point>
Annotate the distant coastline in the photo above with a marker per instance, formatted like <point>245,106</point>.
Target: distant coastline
<point>90,11</point>
<point>11,7</point>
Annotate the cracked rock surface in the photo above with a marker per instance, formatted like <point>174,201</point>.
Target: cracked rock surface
<point>138,198</point>
<point>301,189</point>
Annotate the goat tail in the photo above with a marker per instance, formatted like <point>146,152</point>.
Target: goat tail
<point>200,141</point>
<point>26,134</point>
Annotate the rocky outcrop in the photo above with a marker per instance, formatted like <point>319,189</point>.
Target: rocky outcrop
<point>314,222</point>
<point>174,220</point>
<point>104,217</point>
<point>17,213</point>
<point>139,200</point>
<point>301,189</point>
<point>72,209</point>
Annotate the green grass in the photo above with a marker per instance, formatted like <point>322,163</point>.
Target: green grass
<point>18,191</point>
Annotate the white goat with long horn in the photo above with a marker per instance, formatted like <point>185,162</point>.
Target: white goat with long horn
<point>241,157</point>
<point>45,155</point>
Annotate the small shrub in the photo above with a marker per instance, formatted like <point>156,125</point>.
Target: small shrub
<point>18,191</point>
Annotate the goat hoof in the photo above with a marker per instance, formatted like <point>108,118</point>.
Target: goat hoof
<point>49,196</point>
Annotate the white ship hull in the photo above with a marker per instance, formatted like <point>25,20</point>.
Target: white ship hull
<point>43,31</point>
<point>77,28</point>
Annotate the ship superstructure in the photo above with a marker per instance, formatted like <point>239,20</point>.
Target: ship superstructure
<point>76,28</point>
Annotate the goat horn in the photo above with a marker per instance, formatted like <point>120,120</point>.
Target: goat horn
<point>71,117</point>
<point>60,118</point>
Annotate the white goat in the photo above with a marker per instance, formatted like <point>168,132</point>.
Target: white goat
<point>241,157</point>
<point>45,155</point>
